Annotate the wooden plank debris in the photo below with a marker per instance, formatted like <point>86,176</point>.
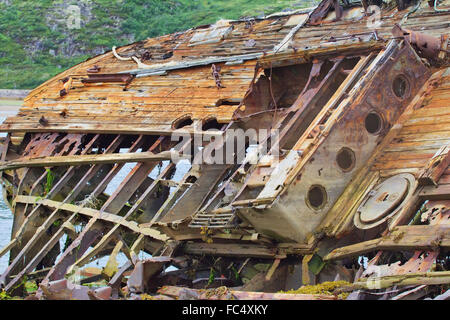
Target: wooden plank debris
<point>91,159</point>
<point>420,237</point>
<point>435,167</point>
<point>226,294</point>
<point>411,279</point>
<point>105,216</point>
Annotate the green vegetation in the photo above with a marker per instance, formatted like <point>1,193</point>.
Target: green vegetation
<point>97,284</point>
<point>212,276</point>
<point>31,287</point>
<point>326,288</point>
<point>50,179</point>
<point>36,42</point>
<point>4,296</point>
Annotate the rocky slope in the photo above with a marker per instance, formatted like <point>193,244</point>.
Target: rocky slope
<point>41,38</point>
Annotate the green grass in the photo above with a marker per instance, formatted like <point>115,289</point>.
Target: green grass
<point>50,179</point>
<point>31,287</point>
<point>36,43</point>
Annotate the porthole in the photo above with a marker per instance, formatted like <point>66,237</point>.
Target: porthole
<point>373,123</point>
<point>345,159</point>
<point>191,179</point>
<point>316,197</point>
<point>182,122</point>
<point>211,123</point>
<point>400,86</point>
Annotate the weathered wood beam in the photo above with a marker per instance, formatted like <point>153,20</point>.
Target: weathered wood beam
<point>109,236</point>
<point>128,186</point>
<point>287,40</point>
<point>68,173</point>
<point>340,216</point>
<point>151,69</point>
<point>95,227</point>
<point>40,255</point>
<point>179,292</point>
<point>252,202</point>
<point>112,266</point>
<point>8,247</point>
<point>101,128</point>
<point>116,280</point>
<point>173,196</point>
<point>230,250</point>
<point>410,279</point>
<point>297,56</point>
<point>291,57</point>
<point>89,212</point>
<point>421,237</point>
<point>71,171</point>
<point>60,183</point>
<point>441,192</point>
<point>413,294</point>
<point>55,189</point>
<point>137,246</point>
<point>216,194</point>
<point>90,159</point>
<point>38,274</point>
<point>30,245</point>
<point>435,167</point>
<point>114,171</point>
<point>93,170</point>
<point>444,296</point>
<point>5,146</point>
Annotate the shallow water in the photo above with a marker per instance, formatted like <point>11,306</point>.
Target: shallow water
<point>6,221</point>
<point>6,218</point>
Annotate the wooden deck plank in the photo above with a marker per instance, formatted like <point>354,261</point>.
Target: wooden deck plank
<point>88,159</point>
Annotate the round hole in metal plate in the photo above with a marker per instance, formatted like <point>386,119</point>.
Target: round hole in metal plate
<point>345,159</point>
<point>373,123</point>
<point>317,197</point>
<point>400,86</point>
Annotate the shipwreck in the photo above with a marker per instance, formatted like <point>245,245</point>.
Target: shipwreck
<point>352,193</point>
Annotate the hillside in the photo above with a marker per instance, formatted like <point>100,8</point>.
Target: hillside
<point>41,38</point>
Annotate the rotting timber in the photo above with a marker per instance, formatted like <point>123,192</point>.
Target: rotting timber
<point>360,193</point>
